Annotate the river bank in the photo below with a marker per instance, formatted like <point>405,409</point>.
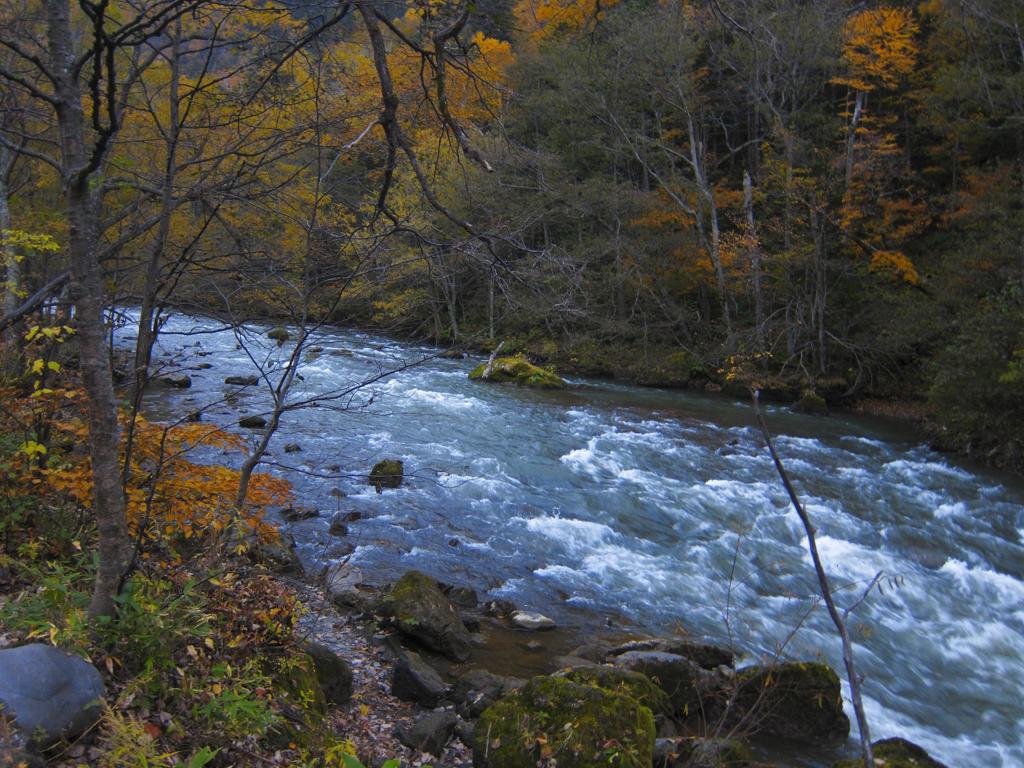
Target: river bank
<point>647,508</point>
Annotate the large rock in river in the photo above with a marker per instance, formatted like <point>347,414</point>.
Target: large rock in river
<point>419,609</point>
<point>388,473</point>
<point>556,721</point>
<point>794,700</point>
<point>519,370</point>
<point>689,687</point>
<point>895,753</point>
<point>50,694</point>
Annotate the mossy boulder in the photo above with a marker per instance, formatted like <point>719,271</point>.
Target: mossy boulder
<point>419,609</point>
<point>675,369</point>
<point>279,334</point>
<point>895,753</point>
<point>298,689</point>
<point>811,402</point>
<point>624,681</point>
<point>713,753</point>
<point>554,719</point>
<point>793,700</point>
<point>388,473</point>
<point>688,686</point>
<point>517,369</point>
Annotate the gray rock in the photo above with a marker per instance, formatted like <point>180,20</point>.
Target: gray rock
<point>252,422</point>
<point>292,448</point>
<point>571,662</point>
<point>294,514</point>
<point>412,679</point>
<point>338,526</point>
<point>280,556</point>
<point>175,382</point>
<point>345,586</point>
<point>705,655</point>
<point>478,689</point>
<point>333,672</point>
<point>682,679</point>
<point>51,694</point>
<point>429,732</point>
<point>462,597</point>
<point>418,609</point>
<point>531,621</point>
<point>242,381</point>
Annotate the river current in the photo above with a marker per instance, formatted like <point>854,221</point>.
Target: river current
<point>612,505</point>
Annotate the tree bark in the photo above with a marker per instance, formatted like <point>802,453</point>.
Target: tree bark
<point>109,507</point>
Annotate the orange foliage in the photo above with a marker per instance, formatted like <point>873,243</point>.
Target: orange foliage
<point>540,19</point>
<point>896,264</point>
<point>168,495</point>
<point>879,48</point>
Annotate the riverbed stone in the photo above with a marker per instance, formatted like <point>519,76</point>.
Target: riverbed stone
<point>333,672</point>
<point>531,621</point>
<point>811,402</point>
<point>517,369</point>
<point>704,654</point>
<point>555,719</point>
<point>618,680</point>
<point>478,689</point>
<point>388,473</point>
<point>252,422</point>
<point>683,680</point>
<point>419,609</point>
<point>51,694</point>
<point>175,382</point>
<point>895,753</point>
<point>242,381</point>
<point>429,732</point>
<point>279,334</point>
<point>793,700</point>
<point>412,679</point>
<point>345,585</point>
<point>338,526</point>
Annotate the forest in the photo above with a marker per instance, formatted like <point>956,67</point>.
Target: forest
<point>820,201</point>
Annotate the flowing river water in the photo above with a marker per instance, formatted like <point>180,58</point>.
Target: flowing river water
<point>613,505</point>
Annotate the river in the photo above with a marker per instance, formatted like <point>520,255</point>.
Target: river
<point>613,505</point>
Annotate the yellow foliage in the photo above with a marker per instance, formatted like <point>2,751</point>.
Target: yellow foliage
<point>895,264</point>
<point>540,19</point>
<point>167,494</point>
<point>879,48</point>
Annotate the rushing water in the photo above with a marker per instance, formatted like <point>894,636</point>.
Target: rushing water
<point>653,510</point>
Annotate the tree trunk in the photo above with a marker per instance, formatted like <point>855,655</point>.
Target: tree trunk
<point>755,262</point>
<point>12,270</point>
<point>109,509</point>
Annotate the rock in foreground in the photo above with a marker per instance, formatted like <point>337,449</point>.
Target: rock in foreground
<point>559,722</point>
<point>388,473</point>
<point>419,609</point>
<point>51,694</point>
<point>794,700</point>
<point>895,753</point>
<point>519,370</point>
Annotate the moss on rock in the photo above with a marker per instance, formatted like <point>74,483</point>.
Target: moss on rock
<point>633,684</point>
<point>297,686</point>
<point>419,609</point>
<point>279,334</point>
<point>519,370</point>
<point>811,402</point>
<point>895,753</point>
<point>388,473</point>
<point>794,700</point>
<point>555,719</point>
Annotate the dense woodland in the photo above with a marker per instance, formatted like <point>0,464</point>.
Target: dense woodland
<point>812,198</point>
